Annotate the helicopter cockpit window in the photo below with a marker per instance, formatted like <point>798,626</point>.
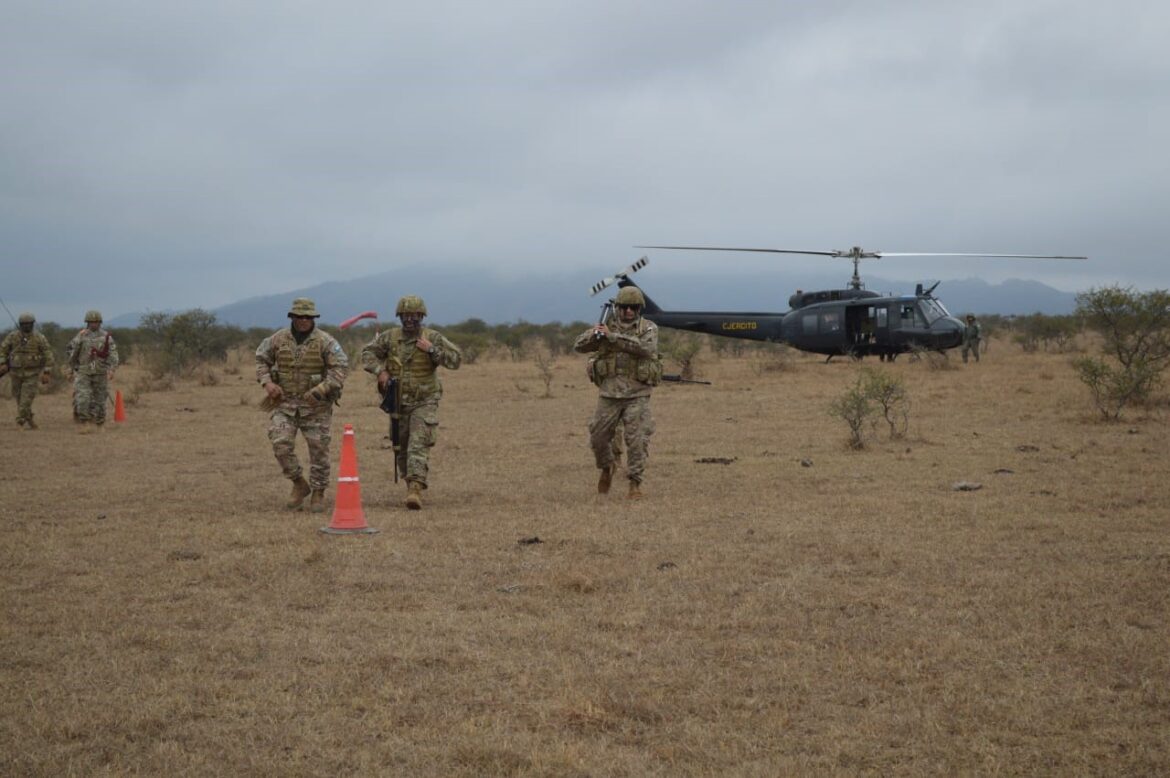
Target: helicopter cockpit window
<point>937,310</point>
<point>932,310</point>
<point>808,323</point>
<point>830,321</point>
<point>911,315</point>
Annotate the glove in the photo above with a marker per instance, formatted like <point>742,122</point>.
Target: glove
<point>319,392</point>
<point>45,378</point>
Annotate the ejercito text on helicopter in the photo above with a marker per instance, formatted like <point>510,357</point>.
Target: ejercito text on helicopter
<point>852,321</point>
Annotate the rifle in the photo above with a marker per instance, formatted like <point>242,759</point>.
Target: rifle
<point>392,404</point>
<point>675,378</point>
<point>10,316</point>
<point>606,314</point>
<point>103,352</point>
<point>5,367</point>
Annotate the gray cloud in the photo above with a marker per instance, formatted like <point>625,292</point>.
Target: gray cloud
<point>182,154</point>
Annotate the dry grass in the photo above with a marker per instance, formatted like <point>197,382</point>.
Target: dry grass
<point>162,616</point>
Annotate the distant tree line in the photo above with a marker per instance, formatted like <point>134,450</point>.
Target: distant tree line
<point>1132,328</point>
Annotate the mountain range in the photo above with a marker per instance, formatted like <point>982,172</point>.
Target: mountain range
<point>457,294</point>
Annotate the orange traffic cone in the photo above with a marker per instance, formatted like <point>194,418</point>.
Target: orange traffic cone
<point>119,409</point>
<point>348,516</point>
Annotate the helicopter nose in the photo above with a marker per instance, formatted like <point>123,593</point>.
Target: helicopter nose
<point>950,332</point>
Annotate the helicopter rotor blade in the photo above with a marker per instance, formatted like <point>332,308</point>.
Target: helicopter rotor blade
<point>725,248</point>
<point>961,254</point>
<point>857,252</point>
<point>603,283</point>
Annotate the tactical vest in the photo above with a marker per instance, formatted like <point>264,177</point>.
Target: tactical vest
<point>298,368</point>
<point>93,351</point>
<point>613,362</point>
<point>418,375</point>
<point>27,353</point>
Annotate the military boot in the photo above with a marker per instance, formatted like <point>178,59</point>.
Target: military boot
<point>413,495</point>
<point>317,501</point>
<point>30,424</point>
<point>85,429</point>
<point>605,479</point>
<point>300,490</point>
<point>635,492</point>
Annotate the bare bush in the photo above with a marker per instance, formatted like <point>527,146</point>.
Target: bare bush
<point>544,366</point>
<point>776,358</point>
<point>874,391</point>
<point>854,408</point>
<point>682,349</point>
<point>934,360</point>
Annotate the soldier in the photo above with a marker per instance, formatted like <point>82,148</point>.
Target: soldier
<point>93,357</point>
<point>413,354</point>
<point>302,369</point>
<point>627,367</point>
<point>24,355</point>
<point>972,334</point>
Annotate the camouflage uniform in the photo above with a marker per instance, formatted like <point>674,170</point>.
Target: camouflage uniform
<point>419,391</point>
<point>27,358</point>
<point>627,367</point>
<point>316,363</point>
<point>972,334</point>
<point>92,356</point>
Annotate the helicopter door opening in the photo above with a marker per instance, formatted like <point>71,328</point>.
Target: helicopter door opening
<point>861,327</point>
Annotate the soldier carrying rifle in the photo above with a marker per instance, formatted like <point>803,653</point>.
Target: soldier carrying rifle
<point>627,367</point>
<point>26,355</point>
<point>412,354</point>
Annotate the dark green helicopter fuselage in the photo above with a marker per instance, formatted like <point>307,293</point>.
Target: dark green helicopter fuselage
<point>857,322</point>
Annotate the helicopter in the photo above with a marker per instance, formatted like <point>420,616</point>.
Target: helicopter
<point>853,321</point>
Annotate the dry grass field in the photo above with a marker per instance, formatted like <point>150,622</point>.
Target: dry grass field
<point>163,616</point>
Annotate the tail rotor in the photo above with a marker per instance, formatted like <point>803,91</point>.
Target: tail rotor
<point>618,276</point>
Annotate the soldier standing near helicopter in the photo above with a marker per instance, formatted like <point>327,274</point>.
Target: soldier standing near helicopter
<point>972,335</point>
<point>92,356</point>
<point>626,369</point>
<point>413,354</point>
<point>26,355</point>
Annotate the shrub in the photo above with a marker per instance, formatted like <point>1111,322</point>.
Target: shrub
<point>873,391</point>
<point>1135,331</point>
<point>854,408</point>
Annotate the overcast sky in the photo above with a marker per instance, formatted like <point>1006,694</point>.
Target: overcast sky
<point>178,154</point>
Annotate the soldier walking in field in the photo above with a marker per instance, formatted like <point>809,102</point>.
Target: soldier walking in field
<point>92,356</point>
<point>972,335</point>
<point>625,370</point>
<point>25,356</point>
<point>302,369</point>
<point>411,355</point>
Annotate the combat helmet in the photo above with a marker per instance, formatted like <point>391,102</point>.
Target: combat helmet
<point>630,295</point>
<point>26,318</point>
<point>410,304</point>
<point>303,306</point>
<point>91,316</point>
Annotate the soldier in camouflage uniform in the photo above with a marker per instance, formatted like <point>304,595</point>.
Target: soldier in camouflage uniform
<point>626,368</point>
<point>413,354</point>
<point>972,335</point>
<point>302,370</point>
<point>93,357</point>
<point>26,355</point>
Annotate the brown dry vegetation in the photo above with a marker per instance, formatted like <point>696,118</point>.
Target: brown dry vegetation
<point>162,616</point>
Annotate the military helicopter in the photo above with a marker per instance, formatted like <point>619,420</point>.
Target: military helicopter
<point>853,321</point>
